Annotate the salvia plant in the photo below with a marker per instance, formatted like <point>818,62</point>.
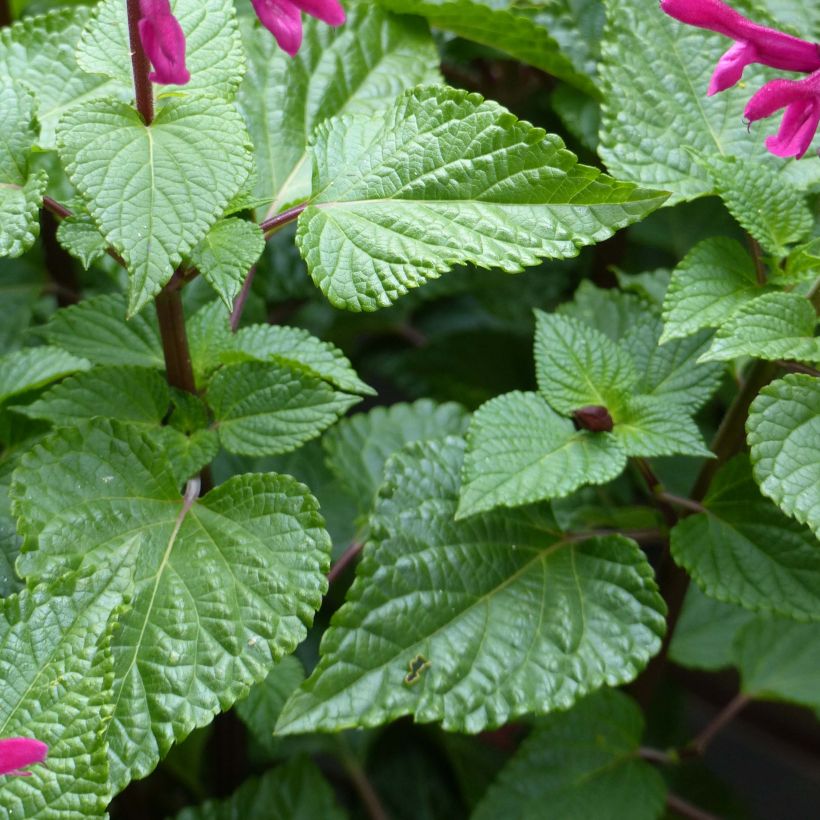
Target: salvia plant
<point>310,509</point>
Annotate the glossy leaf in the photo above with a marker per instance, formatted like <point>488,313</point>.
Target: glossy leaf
<point>34,367</point>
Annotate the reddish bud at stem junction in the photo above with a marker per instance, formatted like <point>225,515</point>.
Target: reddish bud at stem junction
<point>594,418</point>
<point>18,752</point>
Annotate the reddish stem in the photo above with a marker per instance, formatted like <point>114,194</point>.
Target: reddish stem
<point>143,91</point>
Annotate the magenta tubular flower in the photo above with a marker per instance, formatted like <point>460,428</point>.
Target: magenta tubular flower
<point>163,40</point>
<point>753,43</point>
<point>19,752</point>
<point>801,99</point>
<point>283,18</point>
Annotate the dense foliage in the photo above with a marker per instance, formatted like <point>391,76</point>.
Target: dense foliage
<point>424,425</point>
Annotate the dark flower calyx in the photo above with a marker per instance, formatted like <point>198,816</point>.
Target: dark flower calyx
<point>594,418</point>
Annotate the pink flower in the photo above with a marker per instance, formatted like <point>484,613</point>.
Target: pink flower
<point>283,18</point>
<point>753,43</point>
<point>801,99</point>
<point>164,43</point>
<point>18,752</point>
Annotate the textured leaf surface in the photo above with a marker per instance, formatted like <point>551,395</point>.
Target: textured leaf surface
<point>358,448</point>
<point>743,550</point>
<point>357,68</point>
<point>221,592</point>
<point>783,431</point>
<point>778,660</point>
<point>295,346</point>
<point>577,366</point>
<point>651,120</point>
<point>213,49</point>
<point>295,790</point>
<point>444,178</point>
<point>651,427</point>
<point>82,239</point>
<point>772,326</point>
<point>473,623</point>
<point>34,367</point>
<point>97,330</point>
<point>519,450</point>
<point>57,673</point>
<point>714,279</point>
<point>267,409</point>
<point>226,254</point>
<point>581,763</point>
<point>154,191</point>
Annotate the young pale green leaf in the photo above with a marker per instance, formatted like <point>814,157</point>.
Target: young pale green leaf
<point>581,763</point>
<point>612,312</point>
<point>265,408</point>
<point>653,117</point>
<point>705,632</point>
<point>763,202</point>
<point>39,54</point>
<point>358,448</point>
<point>33,367</point>
<point>712,281</point>
<point>778,660</point>
<point>57,671</point>
<point>226,254</point>
<point>651,427</point>
<point>295,790</point>
<point>501,26</point>
<point>473,623</point>
<point>741,549</point>
<point>519,450</point>
<point>213,48</point>
<point>225,584</point>
<point>138,395</point>
<point>294,346</point>
<point>80,236</point>
<point>97,330</point>
<point>773,326</point>
<point>155,190</point>
<point>577,366</point>
<point>261,709</point>
<point>444,178</point>
<point>783,431</point>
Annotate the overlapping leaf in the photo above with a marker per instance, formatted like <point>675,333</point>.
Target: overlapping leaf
<point>225,585</point>
<point>472,623</point>
<point>444,178</point>
<point>34,367</point>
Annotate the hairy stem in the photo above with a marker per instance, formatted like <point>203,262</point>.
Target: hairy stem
<point>143,91</point>
<point>699,745</point>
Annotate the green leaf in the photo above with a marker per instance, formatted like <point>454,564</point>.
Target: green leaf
<point>213,47</point>
<point>705,632</point>
<point>97,330</point>
<point>263,408</point>
<point>134,394</point>
<point>82,239</point>
<point>358,447</point>
<point>155,191</point>
<point>651,427</point>
<point>577,365</point>
<point>477,622</point>
<point>55,660</point>
<point>295,790</point>
<point>34,367</point>
<point>20,286</point>
<point>226,254</point>
<point>291,346</point>
<point>21,193</point>
<point>39,54</point>
<point>783,431</point>
<point>611,311</point>
<point>358,68</point>
<point>519,450</point>
<point>501,27</point>
<point>225,585</point>
<point>651,118</point>
<point>444,178</point>
<point>581,763</point>
<point>762,201</point>
<point>712,281</point>
<point>772,326</point>
<point>802,17</point>
<point>778,660</point>
<point>209,335</point>
<point>261,709</point>
<point>743,550</point>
